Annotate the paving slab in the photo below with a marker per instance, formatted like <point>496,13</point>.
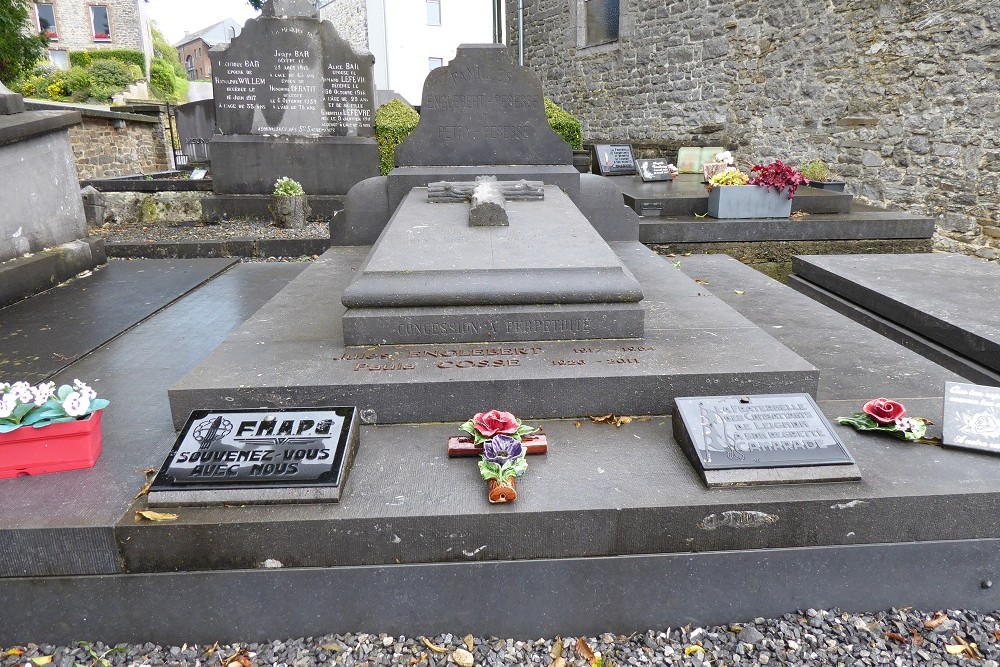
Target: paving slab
<point>46,333</point>
<point>291,355</point>
<point>947,298</point>
<point>63,523</point>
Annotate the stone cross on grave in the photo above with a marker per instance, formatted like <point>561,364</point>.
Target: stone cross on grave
<point>487,197</point>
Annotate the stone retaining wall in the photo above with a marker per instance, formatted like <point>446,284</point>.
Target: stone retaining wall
<point>900,99</point>
<point>103,151</point>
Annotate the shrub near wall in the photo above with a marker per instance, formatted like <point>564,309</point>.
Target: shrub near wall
<point>394,121</point>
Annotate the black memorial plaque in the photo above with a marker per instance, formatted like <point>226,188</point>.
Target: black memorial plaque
<point>613,159</point>
<point>762,439</point>
<point>972,416</point>
<point>656,169</point>
<point>292,77</point>
<point>259,456</point>
<point>482,109</point>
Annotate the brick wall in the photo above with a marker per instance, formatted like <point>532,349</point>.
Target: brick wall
<point>202,63</point>
<point>900,99</point>
<point>103,151</point>
<point>350,18</point>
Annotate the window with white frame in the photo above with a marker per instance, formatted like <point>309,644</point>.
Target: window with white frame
<point>46,20</point>
<point>101,23</point>
<point>434,63</point>
<point>433,12</point>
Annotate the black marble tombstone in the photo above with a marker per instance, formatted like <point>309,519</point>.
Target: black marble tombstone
<point>292,98</point>
<point>972,416</point>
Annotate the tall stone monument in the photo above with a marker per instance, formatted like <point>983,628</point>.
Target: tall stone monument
<point>292,98</point>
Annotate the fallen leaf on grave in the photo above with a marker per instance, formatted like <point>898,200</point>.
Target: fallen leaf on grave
<point>15,652</point>
<point>896,637</point>
<point>700,281</point>
<point>970,650</point>
<point>212,649</point>
<point>577,424</point>
<point>701,215</point>
<point>996,635</point>
<point>150,515</point>
<point>739,291</point>
<point>937,619</point>
<point>676,264</point>
<point>434,647</point>
<point>587,653</point>
<point>918,639</point>
<point>687,254</point>
<point>417,659</point>
<point>42,660</point>
<point>557,648</point>
<point>336,648</point>
<point>798,214</point>
<point>558,662</point>
<point>691,650</point>
<point>954,649</point>
<point>614,420</point>
<point>470,642</point>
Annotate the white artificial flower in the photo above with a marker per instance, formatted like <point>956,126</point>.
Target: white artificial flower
<point>43,392</point>
<point>76,404</point>
<point>725,157</point>
<point>84,390</point>
<point>7,405</point>
<point>4,386</point>
<point>21,391</point>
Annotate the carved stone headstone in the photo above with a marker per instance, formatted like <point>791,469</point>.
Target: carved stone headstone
<point>292,98</point>
<point>10,102</point>
<point>482,109</point>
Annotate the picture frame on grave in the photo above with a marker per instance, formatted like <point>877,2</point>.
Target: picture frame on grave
<point>971,417</point>
<point>259,456</point>
<point>655,169</point>
<point>692,159</point>
<point>613,159</point>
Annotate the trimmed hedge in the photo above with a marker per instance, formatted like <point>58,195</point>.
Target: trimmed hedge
<point>394,121</point>
<point>565,124</point>
<point>124,56</point>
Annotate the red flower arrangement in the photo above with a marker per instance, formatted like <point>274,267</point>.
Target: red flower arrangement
<point>777,175</point>
<point>888,416</point>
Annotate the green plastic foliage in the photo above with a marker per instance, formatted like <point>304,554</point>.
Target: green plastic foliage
<point>565,124</point>
<point>394,121</point>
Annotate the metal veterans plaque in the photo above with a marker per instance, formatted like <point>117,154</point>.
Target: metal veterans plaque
<point>972,416</point>
<point>654,170</point>
<point>259,456</point>
<point>764,431</point>
<point>613,159</point>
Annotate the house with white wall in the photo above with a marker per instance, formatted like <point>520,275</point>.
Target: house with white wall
<point>81,25</point>
<point>409,38</point>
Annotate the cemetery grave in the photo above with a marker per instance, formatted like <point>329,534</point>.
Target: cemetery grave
<point>418,318</point>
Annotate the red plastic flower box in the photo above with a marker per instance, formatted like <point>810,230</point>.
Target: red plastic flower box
<point>53,448</point>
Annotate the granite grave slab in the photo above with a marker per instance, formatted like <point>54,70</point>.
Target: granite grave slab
<point>939,296</point>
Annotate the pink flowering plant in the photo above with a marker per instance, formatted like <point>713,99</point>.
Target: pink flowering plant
<point>888,416</point>
<point>777,175</point>
<point>22,404</point>
<point>485,425</point>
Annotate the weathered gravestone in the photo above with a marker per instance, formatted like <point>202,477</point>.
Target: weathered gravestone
<point>762,439</point>
<point>292,98</point>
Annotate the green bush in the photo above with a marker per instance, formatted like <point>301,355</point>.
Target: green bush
<point>111,73</point>
<point>161,79</point>
<point>78,82</point>
<point>124,56</point>
<point>565,124</point>
<point>394,121</point>
<point>80,59</point>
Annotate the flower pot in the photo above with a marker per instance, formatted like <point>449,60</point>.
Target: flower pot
<point>748,201</point>
<point>836,186</point>
<point>503,493</point>
<point>289,212</point>
<point>53,448</point>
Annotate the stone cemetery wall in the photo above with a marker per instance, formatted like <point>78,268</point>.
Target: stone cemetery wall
<point>350,18</point>
<point>898,98</point>
<point>103,151</point>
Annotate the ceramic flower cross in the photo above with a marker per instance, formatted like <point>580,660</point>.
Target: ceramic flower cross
<point>499,437</point>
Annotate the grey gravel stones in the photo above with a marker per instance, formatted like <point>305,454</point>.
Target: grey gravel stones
<point>897,638</point>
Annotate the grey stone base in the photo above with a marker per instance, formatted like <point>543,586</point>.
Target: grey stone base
<point>490,324</point>
<point>250,164</point>
<point>219,208</point>
<point>292,353</point>
<point>26,276</point>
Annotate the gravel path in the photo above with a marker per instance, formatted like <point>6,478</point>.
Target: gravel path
<point>900,637</point>
<point>196,231</point>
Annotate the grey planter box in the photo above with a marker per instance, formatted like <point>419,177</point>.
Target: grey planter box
<point>836,186</point>
<point>748,201</point>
